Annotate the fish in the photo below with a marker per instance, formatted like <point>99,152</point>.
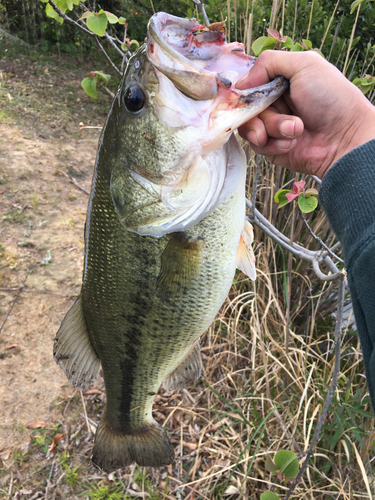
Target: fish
<point>165,230</point>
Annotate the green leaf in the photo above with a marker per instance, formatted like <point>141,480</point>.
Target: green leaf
<point>121,20</point>
<point>281,193</point>
<point>307,43</point>
<point>307,204</point>
<point>269,495</point>
<point>357,81</point>
<point>269,44</point>
<point>69,4</point>
<point>288,43</point>
<point>89,86</point>
<point>354,5</point>
<point>97,23</point>
<point>297,47</point>
<point>270,466</point>
<point>258,44</point>
<point>86,14</point>
<point>112,19</point>
<point>53,14</point>
<point>134,42</point>
<point>283,457</point>
<point>291,470</point>
<point>102,77</point>
<point>311,192</point>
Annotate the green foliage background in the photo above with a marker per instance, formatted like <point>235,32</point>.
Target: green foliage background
<point>27,20</point>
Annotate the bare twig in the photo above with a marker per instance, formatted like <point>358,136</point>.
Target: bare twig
<point>73,181</point>
<point>69,19</point>
<point>200,6</point>
<point>90,33</point>
<point>20,288</point>
<point>10,485</point>
<point>332,388</point>
<point>318,239</point>
<point>115,68</point>
<point>84,411</point>
<point>124,57</point>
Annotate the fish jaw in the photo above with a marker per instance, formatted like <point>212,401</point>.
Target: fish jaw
<point>193,61</point>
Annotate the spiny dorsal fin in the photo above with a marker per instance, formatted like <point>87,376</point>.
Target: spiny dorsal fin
<point>180,263</point>
<point>188,371</point>
<point>73,350</point>
<point>245,257</point>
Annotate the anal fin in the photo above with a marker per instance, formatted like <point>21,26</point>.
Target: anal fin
<point>188,371</point>
<point>245,257</point>
<point>73,351</point>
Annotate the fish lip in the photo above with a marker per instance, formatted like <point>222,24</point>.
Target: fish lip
<point>277,86</point>
<point>209,82</point>
<point>208,88</point>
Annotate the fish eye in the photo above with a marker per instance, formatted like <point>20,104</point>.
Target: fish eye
<point>134,99</point>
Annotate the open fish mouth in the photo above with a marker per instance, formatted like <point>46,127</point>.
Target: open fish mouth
<point>200,63</point>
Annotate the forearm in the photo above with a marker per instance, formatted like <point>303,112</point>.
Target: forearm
<point>348,197</point>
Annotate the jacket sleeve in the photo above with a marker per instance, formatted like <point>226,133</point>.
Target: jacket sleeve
<point>347,195</point>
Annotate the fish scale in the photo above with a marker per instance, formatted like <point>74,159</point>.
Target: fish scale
<point>165,231</point>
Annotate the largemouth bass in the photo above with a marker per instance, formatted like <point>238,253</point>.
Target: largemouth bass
<point>165,230</point>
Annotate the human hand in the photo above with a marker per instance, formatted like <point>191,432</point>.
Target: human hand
<point>319,119</point>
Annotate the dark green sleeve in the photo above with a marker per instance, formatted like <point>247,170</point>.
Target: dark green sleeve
<point>348,198</point>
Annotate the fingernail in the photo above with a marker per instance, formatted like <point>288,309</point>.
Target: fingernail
<point>242,79</point>
<point>287,128</point>
<point>283,144</point>
<point>252,137</point>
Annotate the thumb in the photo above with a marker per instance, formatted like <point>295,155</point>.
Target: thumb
<point>272,63</point>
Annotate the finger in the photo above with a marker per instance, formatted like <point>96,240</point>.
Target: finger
<point>271,64</point>
<point>275,147</point>
<point>280,126</point>
<point>254,131</point>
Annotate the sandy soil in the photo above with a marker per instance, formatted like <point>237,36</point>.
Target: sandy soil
<point>41,257</point>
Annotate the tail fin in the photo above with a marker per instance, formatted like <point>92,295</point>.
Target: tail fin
<point>148,447</point>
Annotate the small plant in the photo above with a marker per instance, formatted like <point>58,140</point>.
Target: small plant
<point>365,84</point>
<point>105,492</point>
<point>276,42</point>
<point>285,467</point>
<point>307,200</point>
<point>48,260</point>
<point>20,456</point>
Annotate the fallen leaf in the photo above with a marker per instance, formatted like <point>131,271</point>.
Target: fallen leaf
<point>56,440</point>
<point>231,490</point>
<point>36,425</point>
<point>218,27</point>
<point>13,346</point>
<point>5,454</point>
<point>189,446</point>
<point>92,391</point>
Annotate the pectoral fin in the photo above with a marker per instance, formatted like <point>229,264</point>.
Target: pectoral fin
<point>245,257</point>
<point>189,370</point>
<point>73,350</point>
<point>180,264</point>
